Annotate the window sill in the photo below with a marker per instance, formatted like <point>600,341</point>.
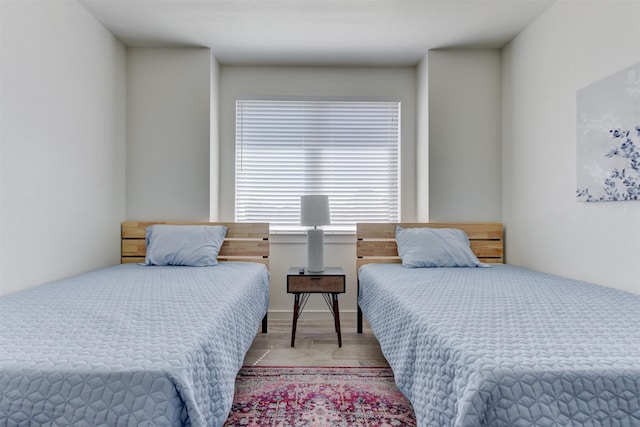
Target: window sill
<point>301,238</point>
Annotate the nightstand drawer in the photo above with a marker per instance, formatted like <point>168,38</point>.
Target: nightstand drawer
<point>315,284</point>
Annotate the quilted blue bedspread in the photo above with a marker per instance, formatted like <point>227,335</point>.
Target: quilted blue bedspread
<point>129,345</point>
<point>506,346</point>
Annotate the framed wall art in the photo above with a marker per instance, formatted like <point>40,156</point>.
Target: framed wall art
<point>608,138</point>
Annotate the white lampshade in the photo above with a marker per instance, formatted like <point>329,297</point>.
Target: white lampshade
<point>314,210</point>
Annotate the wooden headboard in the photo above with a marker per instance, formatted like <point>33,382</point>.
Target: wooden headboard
<point>377,243</point>
<point>245,241</point>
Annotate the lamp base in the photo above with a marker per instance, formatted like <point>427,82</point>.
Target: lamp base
<point>315,251</point>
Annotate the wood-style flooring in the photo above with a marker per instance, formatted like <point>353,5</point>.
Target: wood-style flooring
<point>316,345</point>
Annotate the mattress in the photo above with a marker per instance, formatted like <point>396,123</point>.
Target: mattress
<point>506,346</point>
<point>129,345</point>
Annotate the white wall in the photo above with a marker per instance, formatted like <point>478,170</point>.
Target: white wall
<point>62,151</point>
<point>422,140</point>
<point>214,143</point>
<point>168,133</point>
<point>465,173</point>
<point>238,82</point>
<point>572,45</point>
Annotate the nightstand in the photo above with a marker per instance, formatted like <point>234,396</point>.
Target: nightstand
<point>329,283</point>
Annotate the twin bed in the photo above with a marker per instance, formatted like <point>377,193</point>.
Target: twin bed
<point>469,346</point>
<point>135,344</point>
<point>498,345</point>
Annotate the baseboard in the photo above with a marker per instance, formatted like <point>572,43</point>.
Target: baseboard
<point>345,315</point>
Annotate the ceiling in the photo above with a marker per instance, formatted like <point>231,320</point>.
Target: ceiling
<point>317,32</point>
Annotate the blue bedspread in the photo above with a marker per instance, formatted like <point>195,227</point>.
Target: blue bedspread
<point>506,346</point>
<point>129,345</point>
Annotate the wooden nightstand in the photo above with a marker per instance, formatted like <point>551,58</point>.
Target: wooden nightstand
<point>329,283</point>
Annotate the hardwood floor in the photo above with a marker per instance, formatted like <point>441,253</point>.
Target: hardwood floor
<point>316,345</point>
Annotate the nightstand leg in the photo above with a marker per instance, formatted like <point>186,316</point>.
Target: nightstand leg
<point>296,306</point>
<point>336,316</point>
<point>359,316</point>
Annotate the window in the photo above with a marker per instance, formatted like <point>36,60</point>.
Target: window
<point>347,150</point>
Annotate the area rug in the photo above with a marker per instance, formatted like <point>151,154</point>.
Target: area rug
<point>318,397</point>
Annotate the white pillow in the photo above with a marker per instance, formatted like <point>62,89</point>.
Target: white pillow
<point>189,245</point>
<point>435,247</point>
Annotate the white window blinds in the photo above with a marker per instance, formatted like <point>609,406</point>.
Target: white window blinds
<point>347,150</point>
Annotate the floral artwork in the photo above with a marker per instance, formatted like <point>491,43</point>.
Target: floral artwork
<point>608,138</point>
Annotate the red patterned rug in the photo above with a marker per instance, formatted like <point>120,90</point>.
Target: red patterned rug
<point>318,397</point>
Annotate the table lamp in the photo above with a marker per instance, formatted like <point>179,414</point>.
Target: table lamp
<point>314,211</point>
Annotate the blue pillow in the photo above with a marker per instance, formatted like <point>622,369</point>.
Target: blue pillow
<point>435,247</point>
<point>190,245</point>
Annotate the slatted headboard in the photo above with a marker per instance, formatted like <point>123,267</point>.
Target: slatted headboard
<point>377,243</point>
<point>244,241</point>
